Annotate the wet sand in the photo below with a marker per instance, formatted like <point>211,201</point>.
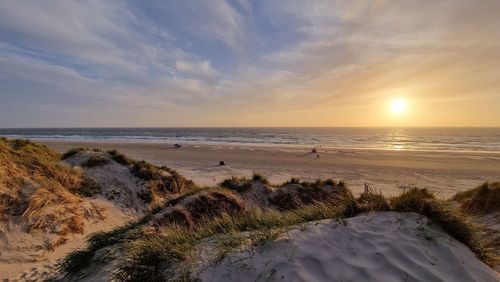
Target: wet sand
<point>389,171</point>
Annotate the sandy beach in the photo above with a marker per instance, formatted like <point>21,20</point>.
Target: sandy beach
<point>388,171</point>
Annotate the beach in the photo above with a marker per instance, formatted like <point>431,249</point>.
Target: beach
<point>388,171</point>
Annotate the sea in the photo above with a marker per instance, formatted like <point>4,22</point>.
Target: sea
<point>447,139</point>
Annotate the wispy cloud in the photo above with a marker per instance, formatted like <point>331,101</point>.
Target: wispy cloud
<point>165,63</point>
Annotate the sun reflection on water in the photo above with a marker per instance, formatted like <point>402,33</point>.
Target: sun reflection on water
<point>397,140</point>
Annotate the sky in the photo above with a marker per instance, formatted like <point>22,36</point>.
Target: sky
<point>242,63</point>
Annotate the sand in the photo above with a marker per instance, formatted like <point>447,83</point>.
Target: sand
<point>42,267</point>
<point>381,246</point>
<point>389,171</point>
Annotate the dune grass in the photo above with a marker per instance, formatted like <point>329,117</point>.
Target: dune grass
<point>423,202</point>
<point>295,194</point>
<point>80,259</point>
<point>155,256</point>
<point>95,161</point>
<point>41,193</point>
<point>238,184</point>
<point>73,151</point>
<point>149,259</point>
<point>88,187</point>
<point>120,158</point>
<point>317,183</point>
<point>241,184</point>
<point>163,179</point>
<point>372,201</point>
<point>480,200</point>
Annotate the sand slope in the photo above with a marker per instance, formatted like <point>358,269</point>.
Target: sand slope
<point>382,246</point>
<point>117,183</point>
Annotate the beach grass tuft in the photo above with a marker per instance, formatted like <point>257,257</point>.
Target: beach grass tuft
<point>95,161</point>
<point>260,178</point>
<point>294,194</point>
<point>73,151</point>
<point>480,200</point>
<point>423,202</point>
<point>120,158</point>
<point>372,201</point>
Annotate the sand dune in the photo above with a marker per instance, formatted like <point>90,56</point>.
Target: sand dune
<point>382,246</point>
<point>376,246</point>
<point>49,206</point>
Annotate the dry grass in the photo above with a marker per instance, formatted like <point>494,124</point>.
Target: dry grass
<point>120,158</point>
<point>88,187</point>
<point>196,215</point>
<point>163,180</point>
<point>154,258</point>
<point>241,184</point>
<point>95,161</point>
<point>178,216</point>
<point>37,186</point>
<point>481,200</point>
<point>423,202</point>
<point>372,201</point>
<point>295,194</point>
<point>153,254</point>
<point>73,151</point>
<point>80,259</point>
<point>201,207</point>
<point>204,206</point>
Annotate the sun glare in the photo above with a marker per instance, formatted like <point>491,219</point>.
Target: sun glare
<point>398,106</point>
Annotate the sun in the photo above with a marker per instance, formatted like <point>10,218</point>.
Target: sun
<point>398,106</point>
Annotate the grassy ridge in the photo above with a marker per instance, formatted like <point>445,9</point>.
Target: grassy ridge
<point>150,257</point>
<point>481,200</point>
<point>35,185</point>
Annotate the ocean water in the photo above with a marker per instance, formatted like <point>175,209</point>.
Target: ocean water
<point>414,139</point>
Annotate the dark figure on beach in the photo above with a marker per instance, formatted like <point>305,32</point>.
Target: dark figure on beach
<point>221,163</point>
<point>177,145</point>
<point>314,150</point>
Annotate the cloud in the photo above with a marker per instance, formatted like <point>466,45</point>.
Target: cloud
<point>185,63</point>
<point>201,69</point>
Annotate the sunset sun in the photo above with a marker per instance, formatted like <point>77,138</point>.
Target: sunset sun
<point>398,106</point>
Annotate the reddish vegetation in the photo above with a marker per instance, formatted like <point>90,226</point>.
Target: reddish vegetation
<point>295,195</point>
<point>177,216</point>
<point>201,207</point>
<point>214,203</point>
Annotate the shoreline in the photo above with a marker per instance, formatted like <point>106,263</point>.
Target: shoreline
<point>156,141</point>
<point>388,171</point>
